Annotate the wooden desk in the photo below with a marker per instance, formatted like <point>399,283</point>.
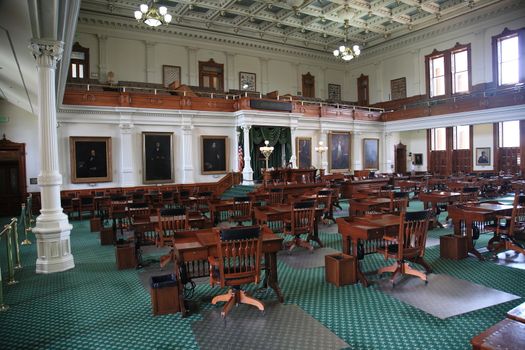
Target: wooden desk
<point>367,232</point>
<point>437,197</point>
<point>360,206</point>
<point>266,214</point>
<point>348,188</point>
<point>191,246</point>
<point>507,334</point>
<point>469,214</point>
<point>218,206</point>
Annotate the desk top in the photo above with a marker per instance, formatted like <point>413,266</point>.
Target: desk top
<point>438,195</point>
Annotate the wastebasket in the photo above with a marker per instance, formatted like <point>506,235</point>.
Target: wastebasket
<point>164,291</point>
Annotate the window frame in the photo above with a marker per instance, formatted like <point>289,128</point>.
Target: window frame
<point>73,61</point>
<point>447,54</point>
<point>433,139</point>
<point>521,55</point>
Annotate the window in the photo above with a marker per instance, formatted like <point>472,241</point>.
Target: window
<point>437,76</point>
<point>79,63</point>
<point>507,55</point>
<point>461,137</point>
<point>509,134</point>
<point>459,71</point>
<point>438,139</point>
<point>448,71</point>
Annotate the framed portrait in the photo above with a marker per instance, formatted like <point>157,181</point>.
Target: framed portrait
<point>214,155</point>
<point>418,158</point>
<point>170,74</point>
<point>371,154</point>
<point>334,92</point>
<point>157,157</point>
<point>398,88</point>
<point>247,81</point>
<point>303,148</point>
<point>483,156</point>
<point>90,159</point>
<point>339,151</point>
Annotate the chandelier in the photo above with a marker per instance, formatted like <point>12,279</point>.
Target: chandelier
<point>153,16</point>
<point>346,53</point>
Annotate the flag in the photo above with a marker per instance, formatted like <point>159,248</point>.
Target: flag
<point>240,156</point>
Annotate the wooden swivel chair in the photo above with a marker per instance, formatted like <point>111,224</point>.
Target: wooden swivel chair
<point>275,196</point>
<point>140,213</point>
<point>67,205</point>
<point>469,195</point>
<point>168,199</point>
<point>241,210</point>
<point>508,227</point>
<point>86,204</point>
<point>408,245</point>
<point>398,202</point>
<point>301,222</point>
<point>169,222</point>
<point>324,200</point>
<point>238,262</point>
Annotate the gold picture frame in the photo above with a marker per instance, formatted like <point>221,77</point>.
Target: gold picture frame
<point>303,149</point>
<point>339,151</point>
<point>214,154</point>
<point>157,157</point>
<point>371,154</point>
<point>90,159</point>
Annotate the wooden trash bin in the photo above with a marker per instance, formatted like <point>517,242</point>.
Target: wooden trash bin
<point>453,247</point>
<point>340,269</point>
<point>95,225</point>
<point>125,256</point>
<point>107,236</point>
<point>164,292</point>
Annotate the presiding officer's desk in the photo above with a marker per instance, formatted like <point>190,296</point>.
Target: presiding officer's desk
<point>192,249</point>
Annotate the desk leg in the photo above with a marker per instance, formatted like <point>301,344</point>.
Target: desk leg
<point>435,211</point>
<point>470,244</point>
<point>360,275</point>
<point>176,263</point>
<point>315,236</point>
<point>272,279</point>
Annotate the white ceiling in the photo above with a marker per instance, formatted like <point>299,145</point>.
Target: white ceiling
<point>313,24</point>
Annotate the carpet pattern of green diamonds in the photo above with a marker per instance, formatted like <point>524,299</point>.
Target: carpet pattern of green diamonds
<point>95,306</point>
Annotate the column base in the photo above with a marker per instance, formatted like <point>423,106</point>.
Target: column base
<point>53,244</point>
<point>247,178</point>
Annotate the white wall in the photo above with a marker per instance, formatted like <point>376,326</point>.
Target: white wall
<point>483,137</point>
<point>416,142</point>
<point>22,127</point>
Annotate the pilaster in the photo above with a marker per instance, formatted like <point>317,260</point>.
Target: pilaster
<point>247,172</point>
<point>265,83</point>
<point>193,68</point>
<point>150,62</point>
<point>126,157</point>
<point>323,136</point>
<point>187,153</point>
<point>231,83</point>
<point>293,158</point>
<point>52,228</point>
<point>102,58</point>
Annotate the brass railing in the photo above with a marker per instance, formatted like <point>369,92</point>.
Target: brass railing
<point>10,232</point>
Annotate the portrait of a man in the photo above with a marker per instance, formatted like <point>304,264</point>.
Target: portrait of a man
<point>157,157</point>
<point>90,159</point>
<point>370,154</point>
<point>339,151</point>
<point>304,152</point>
<point>483,156</point>
<point>214,155</point>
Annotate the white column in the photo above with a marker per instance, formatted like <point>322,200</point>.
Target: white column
<point>231,82</point>
<point>102,58</point>
<point>293,158</point>
<point>322,84</point>
<point>150,62</point>
<point>126,144</point>
<point>52,228</point>
<point>265,84</point>
<point>187,154</point>
<point>193,69</point>
<point>324,160</point>
<point>299,86</point>
<point>247,172</point>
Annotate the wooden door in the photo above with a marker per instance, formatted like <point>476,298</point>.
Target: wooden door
<point>308,85</point>
<point>13,190</point>
<point>362,90</point>
<point>400,151</point>
<point>211,75</point>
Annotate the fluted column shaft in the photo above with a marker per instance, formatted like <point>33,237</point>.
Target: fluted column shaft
<point>247,172</point>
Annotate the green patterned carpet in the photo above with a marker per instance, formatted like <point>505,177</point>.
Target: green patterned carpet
<point>95,306</point>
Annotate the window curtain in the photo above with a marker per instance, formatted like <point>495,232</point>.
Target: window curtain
<point>279,138</point>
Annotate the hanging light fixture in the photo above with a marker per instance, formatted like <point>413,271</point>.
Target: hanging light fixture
<point>153,16</point>
<point>346,53</point>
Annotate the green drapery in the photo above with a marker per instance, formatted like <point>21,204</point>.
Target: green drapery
<point>278,137</point>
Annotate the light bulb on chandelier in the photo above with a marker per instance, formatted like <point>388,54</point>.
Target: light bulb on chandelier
<point>347,53</point>
<point>153,16</point>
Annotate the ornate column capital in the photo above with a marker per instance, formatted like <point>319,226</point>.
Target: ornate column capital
<point>102,37</point>
<point>246,128</point>
<point>47,52</point>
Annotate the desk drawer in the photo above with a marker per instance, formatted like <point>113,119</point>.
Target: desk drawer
<point>198,254</point>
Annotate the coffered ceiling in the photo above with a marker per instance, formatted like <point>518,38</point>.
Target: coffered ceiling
<point>313,24</point>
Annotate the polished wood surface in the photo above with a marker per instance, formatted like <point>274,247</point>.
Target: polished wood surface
<point>361,206</point>
<point>507,334</point>
<point>468,214</point>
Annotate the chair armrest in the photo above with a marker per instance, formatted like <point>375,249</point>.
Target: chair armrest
<point>213,261</point>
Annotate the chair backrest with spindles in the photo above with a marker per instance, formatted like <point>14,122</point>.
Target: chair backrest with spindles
<point>171,221</point>
<point>303,217</point>
<point>412,235</point>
